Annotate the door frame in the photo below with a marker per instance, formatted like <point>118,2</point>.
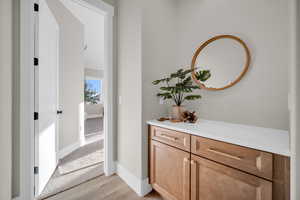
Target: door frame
<point>27,92</point>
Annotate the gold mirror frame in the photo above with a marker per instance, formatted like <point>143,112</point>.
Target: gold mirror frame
<point>246,67</point>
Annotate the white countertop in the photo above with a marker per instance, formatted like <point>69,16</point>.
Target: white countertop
<point>264,139</point>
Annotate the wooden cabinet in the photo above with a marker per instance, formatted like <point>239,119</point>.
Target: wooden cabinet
<point>213,181</point>
<point>170,171</point>
<point>172,138</point>
<point>249,160</point>
<point>186,167</point>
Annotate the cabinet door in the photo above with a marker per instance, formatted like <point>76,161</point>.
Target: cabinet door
<point>213,181</point>
<point>170,171</point>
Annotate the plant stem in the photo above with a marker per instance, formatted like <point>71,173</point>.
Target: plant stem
<point>173,96</point>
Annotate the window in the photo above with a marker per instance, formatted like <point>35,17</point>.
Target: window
<point>93,91</point>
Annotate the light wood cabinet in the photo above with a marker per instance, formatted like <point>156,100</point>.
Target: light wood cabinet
<point>249,160</point>
<point>172,138</point>
<point>186,167</point>
<point>170,171</point>
<point>213,181</point>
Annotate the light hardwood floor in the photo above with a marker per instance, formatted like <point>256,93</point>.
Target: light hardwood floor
<point>103,188</point>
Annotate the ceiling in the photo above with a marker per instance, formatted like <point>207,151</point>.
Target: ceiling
<point>94,33</point>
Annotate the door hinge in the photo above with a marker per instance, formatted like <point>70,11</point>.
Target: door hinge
<point>36,115</point>
<point>36,170</point>
<point>36,7</point>
<point>35,61</point>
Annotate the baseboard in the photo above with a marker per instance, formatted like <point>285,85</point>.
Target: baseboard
<point>86,141</point>
<point>67,150</point>
<point>141,187</point>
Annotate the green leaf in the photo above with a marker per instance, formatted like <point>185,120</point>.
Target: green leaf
<point>203,75</point>
<point>183,84</point>
<point>192,97</point>
<point>156,82</point>
<point>165,95</point>
<point>194,87</point>
<point>166,88</point>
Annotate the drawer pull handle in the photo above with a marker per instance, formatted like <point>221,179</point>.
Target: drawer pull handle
<point>169,137</point>
<point>224,154</point>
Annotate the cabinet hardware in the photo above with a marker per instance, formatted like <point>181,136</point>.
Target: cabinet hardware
<point>169,137</point>
<point>224,154</point>
<point>193,162</point>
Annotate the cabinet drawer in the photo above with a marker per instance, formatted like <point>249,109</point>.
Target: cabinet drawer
<point>170,137</point>
<point>246,159</point>
<point>213,181</point>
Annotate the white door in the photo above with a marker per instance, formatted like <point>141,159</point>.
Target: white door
<point>46,95</point>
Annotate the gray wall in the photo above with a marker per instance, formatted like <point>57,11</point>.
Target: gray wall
<point>6,50</point>
<point>130,86</point>
<point>158,52</point>
<point>261,98</point>
<point>169,38</point>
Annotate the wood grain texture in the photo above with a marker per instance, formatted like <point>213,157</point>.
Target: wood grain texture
<point>170,171</point>
<point>281,178</point>
<point>171,137</point>
<point>213,181</point>
<point>205,44</point>
<point>103,188</point>
<point>249,160</point>
<point>218,171</point>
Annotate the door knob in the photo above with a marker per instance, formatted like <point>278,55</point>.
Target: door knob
<point>59,112</point>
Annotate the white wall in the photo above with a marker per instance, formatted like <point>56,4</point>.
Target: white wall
<point>72,74</point>
<point>261,97</point>
<point>295,107</point>
<point>93,33</point>
<point>95,73</point>
<point>115,71</point>
<point>5,97</point>
<point>130,86</point>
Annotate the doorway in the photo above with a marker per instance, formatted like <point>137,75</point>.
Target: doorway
<point>93,109</point>
<point>50,110</point>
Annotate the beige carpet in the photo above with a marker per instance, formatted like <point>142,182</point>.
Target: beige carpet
<point>79,167</point>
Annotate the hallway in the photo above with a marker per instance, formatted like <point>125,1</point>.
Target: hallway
<point>103,188</point>
<point>80,166</point>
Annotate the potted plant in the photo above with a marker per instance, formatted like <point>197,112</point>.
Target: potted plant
<point>179,87</point>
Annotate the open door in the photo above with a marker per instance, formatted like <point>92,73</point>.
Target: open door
<point>46,95</point>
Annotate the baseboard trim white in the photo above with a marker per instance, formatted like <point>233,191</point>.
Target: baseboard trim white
<point>141,187</point>
<point>67,150</point>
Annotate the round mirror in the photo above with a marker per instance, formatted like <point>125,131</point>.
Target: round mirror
<point>227,58</point>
